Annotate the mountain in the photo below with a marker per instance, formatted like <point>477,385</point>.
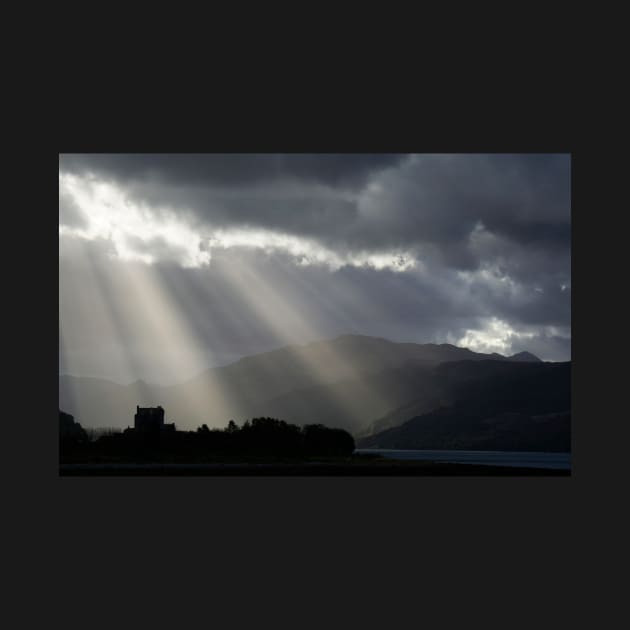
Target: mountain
<point>352,403</point>
<point>524,356</point>
<point>347,382</point>
<point>494,406</point>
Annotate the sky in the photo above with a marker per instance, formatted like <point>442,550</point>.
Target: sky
<point>173,263</point>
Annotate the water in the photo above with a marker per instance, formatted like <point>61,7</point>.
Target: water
<point>492,458</point>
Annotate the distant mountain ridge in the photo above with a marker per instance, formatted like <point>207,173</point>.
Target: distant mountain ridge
<point>348,381</point>
<point>515,406</point>
<point>525,356</point>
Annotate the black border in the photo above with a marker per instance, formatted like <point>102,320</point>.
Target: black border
<point>178,551</point>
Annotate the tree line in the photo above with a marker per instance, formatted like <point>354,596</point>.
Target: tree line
<point>262,436</point>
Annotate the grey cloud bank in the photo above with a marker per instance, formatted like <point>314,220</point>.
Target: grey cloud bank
<point>413,248</point>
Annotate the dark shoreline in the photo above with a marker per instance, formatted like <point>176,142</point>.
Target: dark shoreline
<point>241,469</point>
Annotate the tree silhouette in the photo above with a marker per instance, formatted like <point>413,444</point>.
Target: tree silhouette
<point>258,437</point>
<point>71,433</point>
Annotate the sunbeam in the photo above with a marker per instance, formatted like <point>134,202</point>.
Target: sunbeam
<point>222,298</point>
<point>321,366</point>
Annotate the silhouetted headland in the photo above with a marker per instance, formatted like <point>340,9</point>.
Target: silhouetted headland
<point>262,446</point>
<point>151,439</point>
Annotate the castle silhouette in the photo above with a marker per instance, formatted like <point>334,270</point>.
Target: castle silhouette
<point>151,420</point>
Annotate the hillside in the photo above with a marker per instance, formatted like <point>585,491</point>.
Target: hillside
<point>349,382</point>
<point>516,406</point>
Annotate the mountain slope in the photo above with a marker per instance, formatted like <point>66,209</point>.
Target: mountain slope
<point>524,357</point>
<point>350,404</point>
<point>335,382</point>
<point>508,406</point>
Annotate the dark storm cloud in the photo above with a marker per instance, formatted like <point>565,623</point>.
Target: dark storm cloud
<point>491,234</point>
<point>428,203</point>
<point>311,194</point>
<point>442,198</point>
<point>231,169</point>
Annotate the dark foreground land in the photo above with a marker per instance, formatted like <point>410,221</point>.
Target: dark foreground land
<point>343,467</point>
<point>262,447</point>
